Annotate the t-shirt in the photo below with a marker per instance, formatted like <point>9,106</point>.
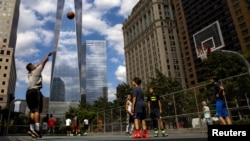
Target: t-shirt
<point>206,112</point>
<point>35,78</point>
<point>153,99</point>
<point>140,105</point>
<point>52,121</point>
<point>86,121</point>
<point>68,122</point>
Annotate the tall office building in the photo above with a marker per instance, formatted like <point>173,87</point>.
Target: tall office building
<point>9,15</point>
<point>193,15</point>
<point>96,70</point>
<point>65,80</point>
<point>151,41</point>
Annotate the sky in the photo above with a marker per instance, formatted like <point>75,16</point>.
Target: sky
<point>101,20</point>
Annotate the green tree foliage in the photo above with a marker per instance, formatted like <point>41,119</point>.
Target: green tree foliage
<point>222,65</point>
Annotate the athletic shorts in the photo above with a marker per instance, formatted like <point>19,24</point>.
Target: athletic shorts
<point>34,99</point>
<point>68,128</point>
<point>86,127</point>
<point>45,126</point>
<point>221,110</point>
<point>140,116</point>
<point>155,115</point>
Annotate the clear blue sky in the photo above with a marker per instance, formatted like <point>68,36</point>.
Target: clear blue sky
<point>102,20</point>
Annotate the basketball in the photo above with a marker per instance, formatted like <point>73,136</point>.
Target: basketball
<point>70,14</point>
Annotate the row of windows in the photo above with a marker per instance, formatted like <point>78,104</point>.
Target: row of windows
<point>3,51</point>
<point>6,60</point>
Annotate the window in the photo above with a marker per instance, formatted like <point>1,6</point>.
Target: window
<point>2,51</point>
<point>4,75</point>
<point>8,52</point>
<point>3,83</point>
<point>1,99</point>
<point>7,60</point>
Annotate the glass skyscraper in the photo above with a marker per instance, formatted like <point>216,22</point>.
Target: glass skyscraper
<point>66,89</point>
<point>96,70</point>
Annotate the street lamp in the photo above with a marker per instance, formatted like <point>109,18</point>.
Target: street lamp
<point>11,106</point>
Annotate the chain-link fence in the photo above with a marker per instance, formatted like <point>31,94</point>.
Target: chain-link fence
<point>182,110</point>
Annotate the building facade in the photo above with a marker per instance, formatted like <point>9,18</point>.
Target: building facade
<point>194,15</point>
<point>96,70</point>
<point>65,77</point>
<point>151,41</point>
<point>9,16</point>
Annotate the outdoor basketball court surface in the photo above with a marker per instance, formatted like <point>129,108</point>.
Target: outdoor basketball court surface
<point>174,137</point>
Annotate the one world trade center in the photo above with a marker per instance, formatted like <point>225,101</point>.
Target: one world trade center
<point>66,85</point>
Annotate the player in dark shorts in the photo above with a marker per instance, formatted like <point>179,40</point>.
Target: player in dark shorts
<point>155,110</point>
<point>139,109</point>
<point>34,96</point>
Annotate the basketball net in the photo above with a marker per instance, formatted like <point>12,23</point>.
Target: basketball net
<point>204,51</point>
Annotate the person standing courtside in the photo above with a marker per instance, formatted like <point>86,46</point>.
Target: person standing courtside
<point>52,122</point>
<point>139,109</point>
<point>155,110</point>
<point>130,118</point>
<point>68,126</point>
<point>86,126</point>
<point>34,96</point>
<point>206,113</point>
<point>45,124</point>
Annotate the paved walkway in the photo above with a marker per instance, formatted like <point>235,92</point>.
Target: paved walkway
<point>174,137</point>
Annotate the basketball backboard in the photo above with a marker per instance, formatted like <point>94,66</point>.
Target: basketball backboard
<point>208,39</point>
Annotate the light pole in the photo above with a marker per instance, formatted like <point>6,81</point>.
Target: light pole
<point>11,106</point>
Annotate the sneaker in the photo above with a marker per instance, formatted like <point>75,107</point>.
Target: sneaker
<point>136,135</point>
<point>130,134</point>
<point>32,134</point>
<point>156,133</point>
<point>145,135</point>
<point>38,133</point>
<point>164,134</point>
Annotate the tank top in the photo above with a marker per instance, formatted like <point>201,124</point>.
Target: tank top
<point>206,112</point>
<point>129,105</point>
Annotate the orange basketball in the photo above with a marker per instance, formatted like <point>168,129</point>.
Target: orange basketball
<point>70,14</point>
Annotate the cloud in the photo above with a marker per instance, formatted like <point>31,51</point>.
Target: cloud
<point>106,4</point>
<point>120,73</point>
<point>114,60</point>
<point>111,92</point>
<point>35,37</point>
<point>126,7</point>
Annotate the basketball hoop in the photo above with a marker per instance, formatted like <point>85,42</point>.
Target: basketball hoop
<point>203,51</point>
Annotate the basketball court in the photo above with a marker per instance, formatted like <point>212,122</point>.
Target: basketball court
<point>174,137</point>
